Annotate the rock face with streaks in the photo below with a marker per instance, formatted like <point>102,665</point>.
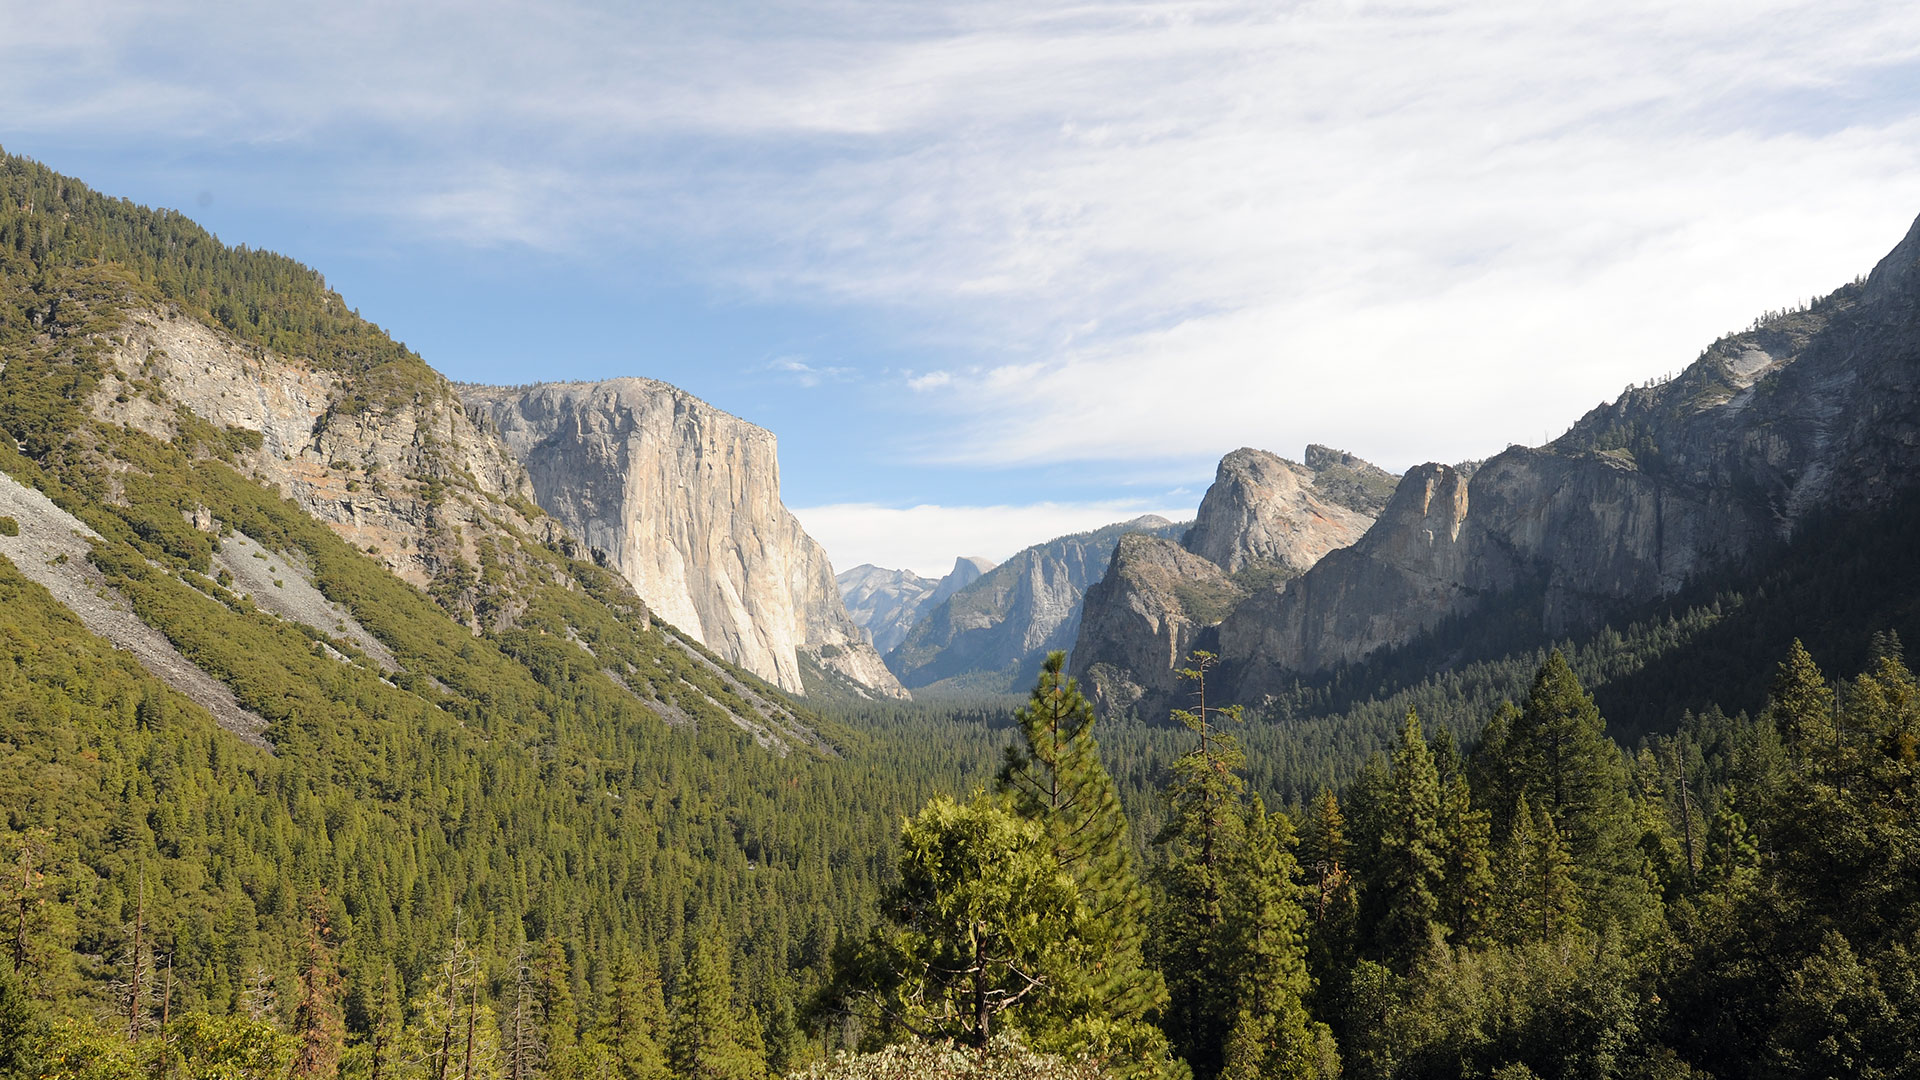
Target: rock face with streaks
<point>887,603</point>
<point>684,501</point>
<point>1264,520</point>
<point>992,635</point>
<point>1263,508</point>
<point>1809,412</point>
<point>412,481</point>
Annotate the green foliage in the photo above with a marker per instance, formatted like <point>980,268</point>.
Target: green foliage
<point>1003,1059</point>
<point>9,526</point>
<point>982,926</point>
<point>1404,855</point>
<point>1054,777</point>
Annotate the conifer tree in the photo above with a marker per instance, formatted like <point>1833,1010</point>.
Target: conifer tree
<point>317,1022</point>
<point>1272,1035</point>
<point>1232,930</point>
<point>1401,899</point>
<point>1055,777</point>
<point>1467,880</point>
<point>1801,704</point>
<point>1733,856</point>
<point>1537,896</point>
<point>1554,753</point>
<point>1204,828</point>
<point>558,1022</point>
<point>635,1017</point>
<point>711,1039</point>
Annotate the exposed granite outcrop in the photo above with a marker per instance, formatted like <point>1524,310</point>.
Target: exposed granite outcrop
<point>1139,622</point>
<point>887,603</point>
<point>1264,520</point>
<point>1264,509</point>
<point>1808,413</point>
<point>684,501</point>
<point>992,635</point>
<point>411,481</point>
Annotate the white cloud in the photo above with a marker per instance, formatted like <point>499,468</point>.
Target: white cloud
<point>1419,230</point>
<point>810,375</point>
<point>926,539</point>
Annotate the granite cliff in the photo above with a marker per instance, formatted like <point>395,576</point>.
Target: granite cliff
<point>1264,520</point>
<point>991,636</point>
<point>887,603</point>
<point>684,501</point>
<point>1809,413</point>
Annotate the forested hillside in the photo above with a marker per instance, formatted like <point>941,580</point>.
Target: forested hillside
<point>502,822</point>
<point>542,772</point>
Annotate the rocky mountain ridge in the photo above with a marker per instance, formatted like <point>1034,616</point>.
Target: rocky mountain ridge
<point>1264,519</point>
<point>1809,413</point>
<point>991,636</point>
<point>887,603</point>
<point>683,499</point>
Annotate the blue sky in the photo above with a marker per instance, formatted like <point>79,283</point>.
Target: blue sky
<point>996,271</point>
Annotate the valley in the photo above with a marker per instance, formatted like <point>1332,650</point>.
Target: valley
<point>357,722</point>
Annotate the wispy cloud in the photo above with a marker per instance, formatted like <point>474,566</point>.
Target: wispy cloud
<point>809,375</point>
<point>1416,229</point>
<point>927,538</point>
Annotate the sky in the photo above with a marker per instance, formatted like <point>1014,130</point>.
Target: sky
<point>995,272</point>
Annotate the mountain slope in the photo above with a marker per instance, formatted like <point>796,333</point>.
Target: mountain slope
<point>684,500</point>
<point>992,635</point>
<point>1809,413</point>
<point>887,603</point>
<point>1264,520</point>
<point>443,723</point>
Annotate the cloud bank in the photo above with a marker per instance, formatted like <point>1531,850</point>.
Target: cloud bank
<point>1120,232</point>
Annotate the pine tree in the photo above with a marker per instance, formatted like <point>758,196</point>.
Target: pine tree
<point>1272,1035</point>
<point>1467,881</point>
<point>317,1022</point>
<point>1554,753</point>
<point>635,1018</point>
<point>1537,895</point>
<point>1401,897</point>
<point>1055,778</point>
<point>711,1039</point>
<point>558,1022</point>
<point>1733,856</point>
<point>1801,704</point>
<point>1205,827</point>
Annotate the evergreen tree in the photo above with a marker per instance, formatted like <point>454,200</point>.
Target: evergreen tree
<point>1538,898</point>
<point>1272,1035</point>
<point>1232,931</point>
<point>635,1018</point>
<point>1193,946</point>
<point>1467,879</point>
<point>711,1038</point>
<point>1801,704</point>
<point>316,1015</point>
<point>1405,876</point>
<point>558,1022</point>
<point>1554,753</point>
<point>1055,777</point>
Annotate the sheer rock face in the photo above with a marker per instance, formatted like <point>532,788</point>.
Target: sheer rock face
<point>413,482</point>
<point>1811,412</point>
<point>1264,519</point>
<point>992,635</point>
<point>1152,608</point>
<point>684,500</point>
<point>887,603</point>
<point>1263,508</point>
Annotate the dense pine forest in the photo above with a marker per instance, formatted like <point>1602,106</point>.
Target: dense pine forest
<point>495,860</point>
